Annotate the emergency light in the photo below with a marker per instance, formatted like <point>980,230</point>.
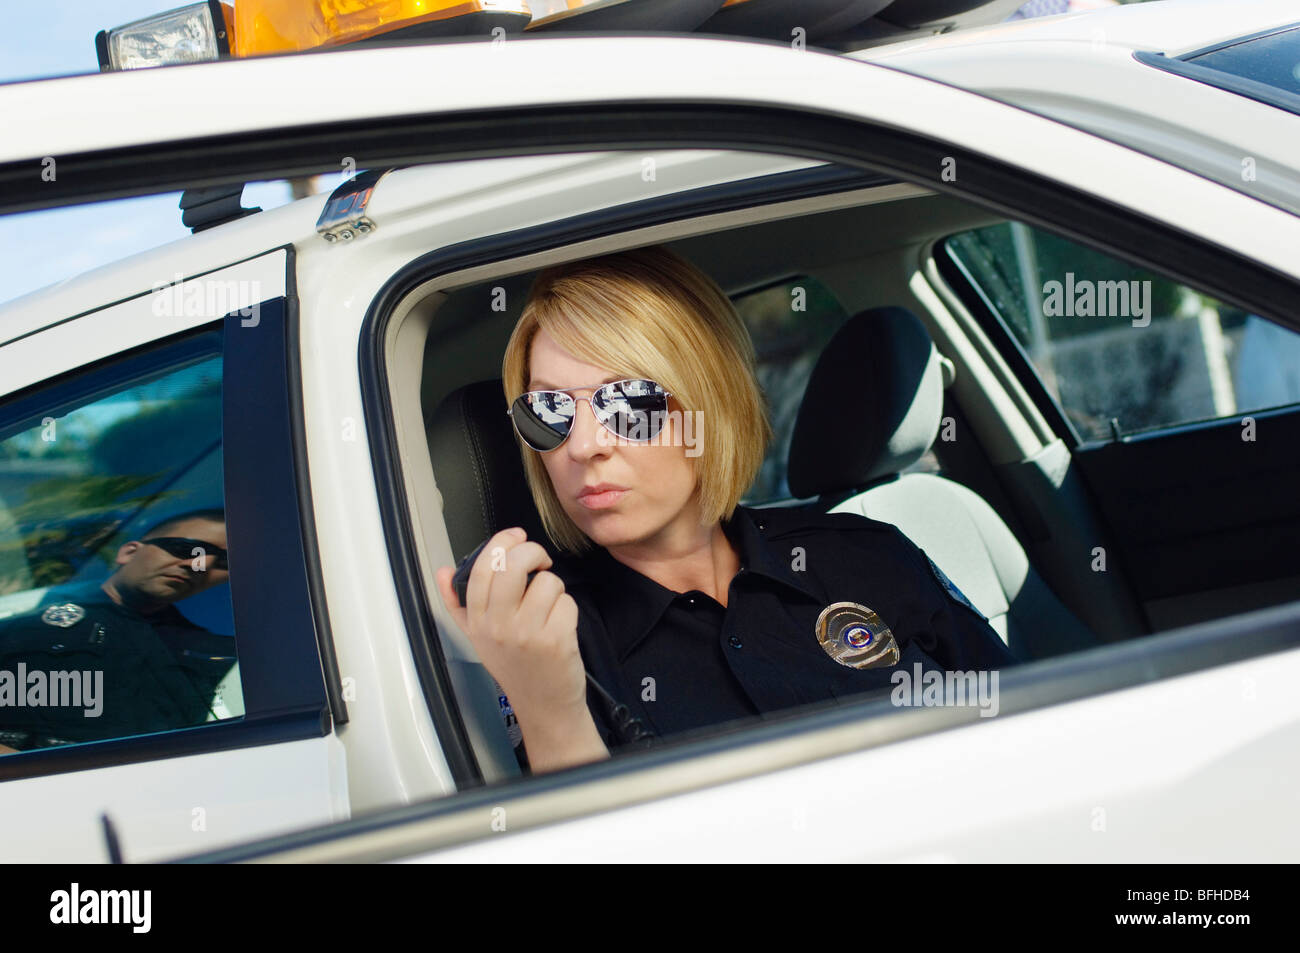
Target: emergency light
<point>212,30</point>
<point>276,26</point>
<point>191,34</point>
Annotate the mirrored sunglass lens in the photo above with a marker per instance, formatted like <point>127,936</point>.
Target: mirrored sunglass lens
<point>634,410</point>
<point>543,419</point>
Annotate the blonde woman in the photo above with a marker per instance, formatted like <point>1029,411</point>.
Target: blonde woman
<point>672,607</point>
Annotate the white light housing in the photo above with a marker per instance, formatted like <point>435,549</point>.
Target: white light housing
<point>190,34</point>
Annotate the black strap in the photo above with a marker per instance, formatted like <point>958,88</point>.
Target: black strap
<point>629,728</point>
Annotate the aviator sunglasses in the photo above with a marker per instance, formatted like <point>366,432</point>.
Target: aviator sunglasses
<point>634,409</point>
<point>182,547</point>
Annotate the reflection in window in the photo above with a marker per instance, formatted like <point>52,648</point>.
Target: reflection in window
<point>1115,341</point>
<point>115,615</point>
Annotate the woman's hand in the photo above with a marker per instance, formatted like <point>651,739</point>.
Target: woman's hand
<point>526,633</point>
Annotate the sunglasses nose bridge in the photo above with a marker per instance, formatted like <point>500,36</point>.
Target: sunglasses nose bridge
<point>574,438</point>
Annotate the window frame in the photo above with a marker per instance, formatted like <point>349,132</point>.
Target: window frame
<point>284,693</point>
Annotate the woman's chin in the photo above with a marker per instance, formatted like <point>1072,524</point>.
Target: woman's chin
<point>607,530</point>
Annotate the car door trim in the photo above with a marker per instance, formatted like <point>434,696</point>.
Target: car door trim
<point>777,743</point>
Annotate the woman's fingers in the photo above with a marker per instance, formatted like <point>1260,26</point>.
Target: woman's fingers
<point>483,570</point>
<point>510,578</point>
<point>538,604</point>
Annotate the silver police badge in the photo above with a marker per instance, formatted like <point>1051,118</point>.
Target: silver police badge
<point>856,636</point>
<point>64,615</point>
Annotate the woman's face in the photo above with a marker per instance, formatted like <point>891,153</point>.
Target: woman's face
<point>658,478</point>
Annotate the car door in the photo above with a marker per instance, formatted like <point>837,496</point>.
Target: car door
<point>1199,397</point>
<point>741,96</point>
<point>116,424</point>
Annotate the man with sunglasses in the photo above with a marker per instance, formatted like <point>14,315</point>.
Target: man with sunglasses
<point>159,669</point>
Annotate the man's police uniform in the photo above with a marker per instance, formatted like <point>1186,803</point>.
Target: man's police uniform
<point>681,661</point>
<point>159,671</point>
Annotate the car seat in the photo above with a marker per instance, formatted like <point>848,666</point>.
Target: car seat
<point>872,408</point>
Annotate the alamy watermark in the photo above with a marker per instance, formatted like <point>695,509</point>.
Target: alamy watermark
<point>934,689</point>
<point>208,297</point>
<point>59,689</point>
<point>653,427</point>
<point>1099,299</point>
<point>131,908</point>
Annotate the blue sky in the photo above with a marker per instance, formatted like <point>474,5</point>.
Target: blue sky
<point>57,38</point>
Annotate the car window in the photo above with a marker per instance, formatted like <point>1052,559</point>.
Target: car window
<point>1272,59</point>
<point>115,610</point>
<point>1119,347</point>
<point>790,323</point>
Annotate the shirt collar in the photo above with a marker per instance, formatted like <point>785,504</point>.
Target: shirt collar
<point>632,604</point>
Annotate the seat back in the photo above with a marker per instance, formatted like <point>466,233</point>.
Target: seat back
<point>872,408</point>
<point>480,476</point>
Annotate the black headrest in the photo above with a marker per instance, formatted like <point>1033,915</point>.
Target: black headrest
<point>872,406</point>
<point>478,468</point>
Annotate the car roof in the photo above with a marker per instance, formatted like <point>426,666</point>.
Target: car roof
<point>1084,70</point>
<point>500,182</point>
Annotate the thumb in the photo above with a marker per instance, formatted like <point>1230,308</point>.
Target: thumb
<point>444,576</point>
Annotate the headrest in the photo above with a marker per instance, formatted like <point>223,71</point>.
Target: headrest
<point>477,465</point>
<point>872,406</point>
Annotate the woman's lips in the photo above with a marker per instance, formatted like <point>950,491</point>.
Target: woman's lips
<point>600,501</point>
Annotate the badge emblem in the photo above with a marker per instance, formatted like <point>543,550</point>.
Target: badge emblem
<point>65,615</point>
<point>856,637</point>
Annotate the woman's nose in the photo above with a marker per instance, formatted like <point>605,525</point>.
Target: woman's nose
<point>585,436</point>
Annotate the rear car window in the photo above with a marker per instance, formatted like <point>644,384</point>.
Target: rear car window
<point>1121,348</point>
<point>1272,59</point>
<point>115,609</point>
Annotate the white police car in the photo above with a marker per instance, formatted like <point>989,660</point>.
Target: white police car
<point>1100,452</point>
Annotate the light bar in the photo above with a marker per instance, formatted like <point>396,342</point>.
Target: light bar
<point>281,26</point>
<point>192,34</point>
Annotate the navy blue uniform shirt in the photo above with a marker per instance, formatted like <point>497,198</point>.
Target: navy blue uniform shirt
<point>158,671</point>
<point>681,661</point>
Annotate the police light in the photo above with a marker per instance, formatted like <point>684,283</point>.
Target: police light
<point>191,34</point>
<point>282,26</point>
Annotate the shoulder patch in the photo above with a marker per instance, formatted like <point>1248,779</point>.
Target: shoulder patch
<point>950,587</point>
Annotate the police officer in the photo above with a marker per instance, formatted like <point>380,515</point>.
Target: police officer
<point>680,608</point>
<point>136,662</point>
<point>771,641</point>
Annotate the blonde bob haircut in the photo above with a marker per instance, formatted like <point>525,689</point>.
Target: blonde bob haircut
<point>648,313</point>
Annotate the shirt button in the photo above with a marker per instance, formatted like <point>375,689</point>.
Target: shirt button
<point>734,642</point>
